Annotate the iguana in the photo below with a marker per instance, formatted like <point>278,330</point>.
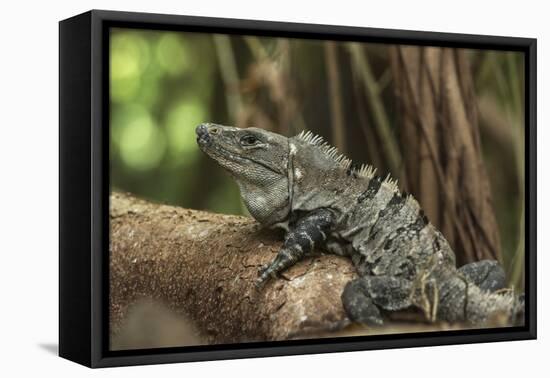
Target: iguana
<point>306,187</point>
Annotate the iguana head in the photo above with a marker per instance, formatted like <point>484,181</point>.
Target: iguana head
<point>258,161</point>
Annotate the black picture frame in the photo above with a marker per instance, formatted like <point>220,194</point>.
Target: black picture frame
<point>84,188</point>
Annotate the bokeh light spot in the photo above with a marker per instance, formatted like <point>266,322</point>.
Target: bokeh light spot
<point>141,143</point>
<point>172,55</point>
<point>180,127</point>
<point>129,58</point>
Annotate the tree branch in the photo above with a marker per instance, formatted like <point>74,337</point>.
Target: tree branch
<point>203,266</point>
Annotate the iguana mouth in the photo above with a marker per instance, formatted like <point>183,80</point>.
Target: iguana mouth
<point>229,155</point>
<point>207,144</point>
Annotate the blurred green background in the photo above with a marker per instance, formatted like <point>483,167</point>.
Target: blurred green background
<point>162,87</point>
<point>163,84</point>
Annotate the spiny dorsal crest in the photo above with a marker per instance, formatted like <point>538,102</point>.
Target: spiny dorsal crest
<point>365,170</point>
<point>309,137</point>
<point>327,149</point>
<point>391,183</point>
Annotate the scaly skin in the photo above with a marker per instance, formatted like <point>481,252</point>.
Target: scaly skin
<point>304,186</point>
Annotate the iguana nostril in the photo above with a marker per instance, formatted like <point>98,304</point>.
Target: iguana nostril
<point>201,130</point>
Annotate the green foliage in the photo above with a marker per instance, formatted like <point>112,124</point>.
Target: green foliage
<point>500,83</point>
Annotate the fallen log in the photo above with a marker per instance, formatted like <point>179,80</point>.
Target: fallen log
<point>203,266</point>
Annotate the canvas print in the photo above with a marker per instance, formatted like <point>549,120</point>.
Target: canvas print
<point>271,189</point>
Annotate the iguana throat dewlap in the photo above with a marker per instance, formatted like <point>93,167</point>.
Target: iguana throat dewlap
<point>321,200</point>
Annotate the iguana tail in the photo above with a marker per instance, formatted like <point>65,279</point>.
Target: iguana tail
<point>453,296</point>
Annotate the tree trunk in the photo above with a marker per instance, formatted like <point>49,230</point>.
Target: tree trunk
<point>443,163</point>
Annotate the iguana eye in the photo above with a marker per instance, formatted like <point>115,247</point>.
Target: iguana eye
<point>249,140</point>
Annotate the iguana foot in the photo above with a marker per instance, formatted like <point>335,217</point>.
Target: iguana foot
<point>263,275</point>
<point>488,275</point>
<point>262,269</point>
<point>359,305</point>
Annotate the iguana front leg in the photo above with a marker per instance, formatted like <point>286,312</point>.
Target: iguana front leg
<point>301,239</point>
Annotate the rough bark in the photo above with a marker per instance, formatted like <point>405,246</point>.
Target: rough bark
<point>203,266</point>
<point>442,150</point>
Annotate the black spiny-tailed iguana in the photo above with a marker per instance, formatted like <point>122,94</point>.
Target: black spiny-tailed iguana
<point>303,185</point>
